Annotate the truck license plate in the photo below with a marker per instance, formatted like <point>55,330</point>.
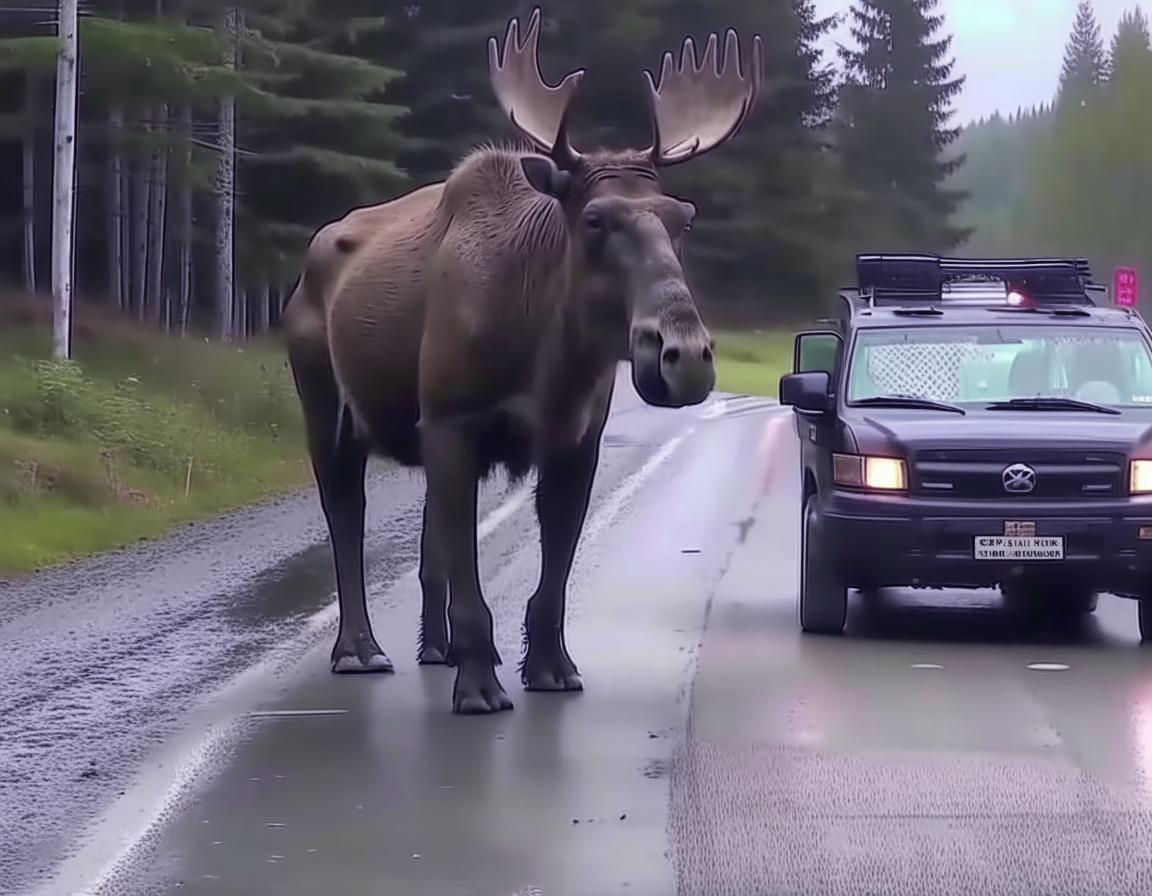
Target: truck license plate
<point>1004,547</point>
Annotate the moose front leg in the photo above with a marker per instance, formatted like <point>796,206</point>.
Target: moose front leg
<point>565,486</point>
<point>433,599</point>
<point>449,463</point>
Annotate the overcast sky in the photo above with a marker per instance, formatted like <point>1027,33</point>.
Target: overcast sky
<point>1010,50</point>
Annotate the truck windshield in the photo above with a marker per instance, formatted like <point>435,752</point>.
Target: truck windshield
<point>981,364</point>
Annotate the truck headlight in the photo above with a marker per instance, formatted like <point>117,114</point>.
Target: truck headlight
<point>1140,477</point>
<point>888,474</point>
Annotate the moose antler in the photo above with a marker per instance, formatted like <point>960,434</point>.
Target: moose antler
<point>697,105</point>
<point>536,108</point>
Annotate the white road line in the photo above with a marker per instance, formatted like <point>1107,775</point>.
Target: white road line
<point>503,513</point>
<point>133,814</point>
<point>493,521</point>
<point>134,819</point>
<point>733,404</point>
<point>713,409</point>
<point>616,501</point>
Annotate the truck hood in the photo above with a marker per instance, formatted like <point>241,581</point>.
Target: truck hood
<point>895,431</point>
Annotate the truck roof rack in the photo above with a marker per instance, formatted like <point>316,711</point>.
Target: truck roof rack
<point>904,279</point>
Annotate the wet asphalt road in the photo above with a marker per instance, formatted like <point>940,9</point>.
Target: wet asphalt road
<point>168,724</point>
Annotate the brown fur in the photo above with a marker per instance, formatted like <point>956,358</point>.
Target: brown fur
<point>453,301</point>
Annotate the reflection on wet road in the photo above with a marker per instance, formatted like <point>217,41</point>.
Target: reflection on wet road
<point>167,722</point>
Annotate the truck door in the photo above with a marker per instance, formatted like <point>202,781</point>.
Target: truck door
<point>817,351</point>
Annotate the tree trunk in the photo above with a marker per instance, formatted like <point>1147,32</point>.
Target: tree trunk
<point>126,254</point>
<point>157,206</point>
<point>225,187</point>
<point>263,297</point>
<point>186,305</point>
<point>184,296</point>
<point>240,325</point>
<point>63,180</point>
<point>116,211</point>
<point>29,176</point>
<point>139,230</point>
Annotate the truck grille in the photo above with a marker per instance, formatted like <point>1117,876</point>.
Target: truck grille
<point>1060,473</point>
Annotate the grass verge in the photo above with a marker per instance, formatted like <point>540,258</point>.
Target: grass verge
<point>751,362</point>
<point>140,433</point>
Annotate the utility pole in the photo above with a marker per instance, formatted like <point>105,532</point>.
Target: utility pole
<point>225,187</point>
<point>63,180</point>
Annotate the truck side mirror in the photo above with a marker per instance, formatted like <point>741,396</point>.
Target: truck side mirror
<point>807,392</point>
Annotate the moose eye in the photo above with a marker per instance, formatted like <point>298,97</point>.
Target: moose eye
<point>687,226</point>
<point>593,223</point>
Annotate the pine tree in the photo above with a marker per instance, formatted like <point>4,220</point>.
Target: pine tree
<point>1130,46</point>
<point>440,46</point>
<point>308,113</point>
<point>614,43</point>
<point>893,130</point>
<point>1123,166</point>
<point>1085,65</point>
<point>998,158</point>
<point>315,119</point>
<point>764,231</point>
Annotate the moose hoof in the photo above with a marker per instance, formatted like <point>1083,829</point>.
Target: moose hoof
<point>434,656</point>
<point>554,674</point>
<point>350,661</point>
<point>479,694</point>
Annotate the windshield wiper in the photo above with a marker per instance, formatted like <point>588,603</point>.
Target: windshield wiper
<point>907,401</point>
<point>1050,403</point>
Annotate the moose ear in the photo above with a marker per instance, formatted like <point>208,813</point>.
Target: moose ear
<point>545,177</point>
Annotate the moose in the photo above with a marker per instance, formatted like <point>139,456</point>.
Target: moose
<point>477,323</point>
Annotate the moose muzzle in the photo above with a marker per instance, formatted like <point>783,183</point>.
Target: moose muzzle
<point>672,364</point>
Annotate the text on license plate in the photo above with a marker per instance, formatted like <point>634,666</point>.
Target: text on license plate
<point>1003,547</point>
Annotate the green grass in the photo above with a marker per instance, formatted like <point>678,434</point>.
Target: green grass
<point>752,361</point>
<point>96,453</point>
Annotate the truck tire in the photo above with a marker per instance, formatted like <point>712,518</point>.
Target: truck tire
<point>1033,601</point>
<point>1081,603</point>
<point>823,596</point>
<point>1144,612</point>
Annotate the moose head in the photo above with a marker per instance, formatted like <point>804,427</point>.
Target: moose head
<point>625,235</point>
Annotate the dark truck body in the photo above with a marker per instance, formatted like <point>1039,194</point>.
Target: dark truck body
<point>1043,497</point>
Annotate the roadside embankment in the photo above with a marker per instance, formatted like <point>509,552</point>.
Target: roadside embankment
<point>141,432</point>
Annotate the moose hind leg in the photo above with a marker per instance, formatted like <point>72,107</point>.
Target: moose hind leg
<point>434,599</point>
<point>565,485</point>
<point>338,462</point>
<point>450,467</point>
<point>341,483</point>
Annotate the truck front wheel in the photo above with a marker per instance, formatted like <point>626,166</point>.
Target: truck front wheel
<point>823,595</point>
<point>1144,610</point>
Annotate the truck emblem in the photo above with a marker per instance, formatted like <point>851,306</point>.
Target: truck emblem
<point>1019,479</point>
